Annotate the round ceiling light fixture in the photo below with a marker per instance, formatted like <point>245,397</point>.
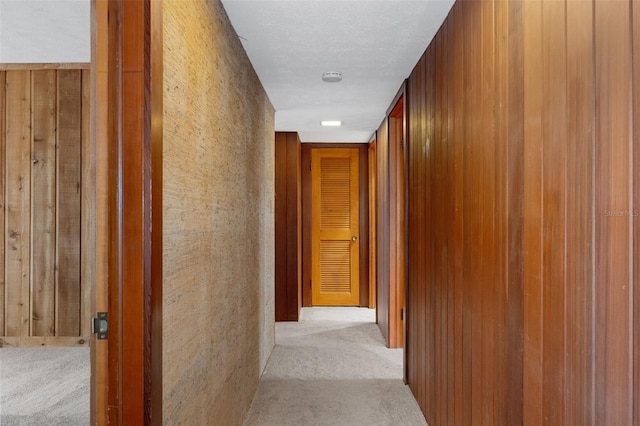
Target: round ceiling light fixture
<point>331,77</point>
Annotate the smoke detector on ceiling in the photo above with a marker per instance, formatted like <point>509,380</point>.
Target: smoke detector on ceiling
<point>331,77</point>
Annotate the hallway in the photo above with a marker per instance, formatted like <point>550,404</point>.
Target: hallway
<point>332,368</point>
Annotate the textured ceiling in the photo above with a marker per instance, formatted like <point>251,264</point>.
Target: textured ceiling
<point>41,31</point>
<point>374,43</point>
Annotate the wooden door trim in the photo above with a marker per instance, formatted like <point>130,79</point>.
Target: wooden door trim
<point>398,291</point>
<point>372,177</point>
<point>96,186</point>
<point>306,218</point>
<point>131,87</point>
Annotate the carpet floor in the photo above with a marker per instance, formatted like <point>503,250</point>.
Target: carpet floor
<point>332,368</point>
<point>44,386</point>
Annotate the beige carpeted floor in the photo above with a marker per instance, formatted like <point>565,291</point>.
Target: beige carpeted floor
<point>332,368</point>
<point>44,386</point>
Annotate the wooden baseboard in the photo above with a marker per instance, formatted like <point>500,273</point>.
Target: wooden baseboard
<point>50,341</point>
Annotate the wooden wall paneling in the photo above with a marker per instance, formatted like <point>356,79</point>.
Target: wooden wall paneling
<point>2,199</point>
<point>457,170</point>
<point>450,207</point>
<point>43,196</point>
<point>429,289</point>
<point>87,225</point>
<point>474,191</point>
<point>413,148</point>
<point>501,209</point>
<point>281,226</point>
<point>18,206</point>
<point>306,223</point>
<point>614,404</point>
<point>294,271</point>
<point>395,231</point>
<point>487,203</point>
<point>382,243</point>
<point>510,45</point>
<point>579,259</point>
<point>554,157</point>
<point>419,230</point>
<point>533,105</point>
<point>68,203</point>
<point>636,212</point>
<point>288,227</point>
<point>438,280</point>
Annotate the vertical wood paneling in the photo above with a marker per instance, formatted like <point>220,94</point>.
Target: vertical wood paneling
<point>18,204</point>
<point>636,209</point>
<point>87,281</point>
<point>68,292</point>
<point>2,199</point>
<point>579,279</point>
<point>281,224</point>
<point>382,232</point>
<point>457,249</point>
<point>612,226</point>
<point>554,136</point>
<point>288,227</point>
<point>523,266</point>
<point>533,108</point>
<point>42,126</point>
<point>514,109</point>
<point>294,255</point>
<point>43,193</point>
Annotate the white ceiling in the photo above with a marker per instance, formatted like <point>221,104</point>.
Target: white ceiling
<point>374,43</point>
<point>45,31</point>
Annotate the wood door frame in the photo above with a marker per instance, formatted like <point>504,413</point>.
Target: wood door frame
<point>397,221</point>
<point>126,125</point>
<point>306,218</point>
<point>373,282</point>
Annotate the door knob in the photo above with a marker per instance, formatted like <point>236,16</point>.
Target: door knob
<point>354,238</point>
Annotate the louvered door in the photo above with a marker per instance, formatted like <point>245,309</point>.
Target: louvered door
<point>335,227</point>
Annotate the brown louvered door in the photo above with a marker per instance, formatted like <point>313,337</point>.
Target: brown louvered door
<point>335,227</point>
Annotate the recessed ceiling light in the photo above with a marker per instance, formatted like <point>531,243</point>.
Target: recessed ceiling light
<point>332,76</point>
<point>331,123</point>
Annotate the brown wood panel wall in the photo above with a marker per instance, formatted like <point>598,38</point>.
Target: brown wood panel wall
<point>306,218</point>
<point>523,242</point>
<point>382,229</point>
<point>288,227</point>
<point>43,122</point>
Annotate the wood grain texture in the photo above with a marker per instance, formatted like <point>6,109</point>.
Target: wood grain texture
<point>382,229</point>
<point>95,178</point>
<point>523,238</point>
<point>43,193</point>
<point>613,181</point>
<point>335,219</point>
<point>372,223</point>
<point>18,204</point>
<point>579,255</point>
<point>3,76</point>
<point>288,249</point>
<point>68,203</point>
<point>635,23</point>
<point>306,219</point>
<point>30,164</point>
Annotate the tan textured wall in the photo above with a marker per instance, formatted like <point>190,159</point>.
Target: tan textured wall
<point>218,319</point>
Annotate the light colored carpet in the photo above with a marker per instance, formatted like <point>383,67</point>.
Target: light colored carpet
<point>44,386</point>
<point>332,368</point>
